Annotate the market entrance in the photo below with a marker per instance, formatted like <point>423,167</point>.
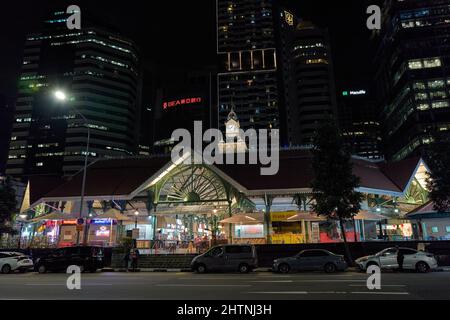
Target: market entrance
<point>188,205</point>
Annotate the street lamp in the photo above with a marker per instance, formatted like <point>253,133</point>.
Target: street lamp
<point>62,97</point>
<point>136,214</point>
<point>22,217</point>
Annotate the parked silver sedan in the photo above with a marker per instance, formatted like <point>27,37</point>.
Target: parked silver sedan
<point>387,259</point>
<point>311,260</point>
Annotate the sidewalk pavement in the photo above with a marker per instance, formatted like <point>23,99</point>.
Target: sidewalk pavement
<point>444,269</point>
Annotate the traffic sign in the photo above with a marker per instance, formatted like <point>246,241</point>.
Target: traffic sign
<point>79,227</point>
<point>80,221</point>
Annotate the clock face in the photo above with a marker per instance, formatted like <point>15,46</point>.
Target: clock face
<point>231,127</point>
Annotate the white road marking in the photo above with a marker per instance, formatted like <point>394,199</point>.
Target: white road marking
<point>380,292</point>
<point>330,280</point>
<point>203,285</point>
<point>325,292</point>
<point>383,285</point>
<point>273,281</point>
<point>279,292</point>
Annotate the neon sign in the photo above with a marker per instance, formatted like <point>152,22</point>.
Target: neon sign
<point>102,232</point>
<point>185,101</point>
<point>354,93</point>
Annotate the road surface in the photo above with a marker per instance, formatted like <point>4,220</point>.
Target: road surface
<point>257,285</point>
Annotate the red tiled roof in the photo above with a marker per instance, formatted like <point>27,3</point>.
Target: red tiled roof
<point>41,185</point>
<point>400,171</point>
<point>372,177</point>
<point>111,177</point>
<point>116,177</point>
<point>295,172</point>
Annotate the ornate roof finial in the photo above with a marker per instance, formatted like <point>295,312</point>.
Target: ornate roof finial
<point>232,115</point>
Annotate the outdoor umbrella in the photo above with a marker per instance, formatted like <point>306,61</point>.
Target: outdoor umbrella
<point>53,216</point>
<point>304,215</point>
<point>244,219</point>
<point>367,215</point>
<point>113,214</point>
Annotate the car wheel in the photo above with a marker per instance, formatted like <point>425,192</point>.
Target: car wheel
<point>6,269</point>
<point>200,268</point>
<point>372,264</point>
<point>422,267</point>
<point>244,268</point>
<point>92,270</point>
<point>330,268</point>
<point>284,268</point>
<point>42,269</point>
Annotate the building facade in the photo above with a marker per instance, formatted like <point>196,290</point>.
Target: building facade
<point>99,72</point>
<point>6,115</point>
<point>413,78</point>
<point>359,123</point>
<point>183,97</point>
<point>312,98</point>
<point>251,47</point>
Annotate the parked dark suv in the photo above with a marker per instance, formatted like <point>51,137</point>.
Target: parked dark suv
<point>88,258</point>
<point>229,257</point>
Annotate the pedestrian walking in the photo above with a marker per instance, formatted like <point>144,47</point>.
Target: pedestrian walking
<point>126,259</point>
<point>134,259</point>
<point>400,258</point>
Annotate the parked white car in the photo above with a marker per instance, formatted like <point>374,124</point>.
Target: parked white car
<point>12,261</point>
<point>387,259</point>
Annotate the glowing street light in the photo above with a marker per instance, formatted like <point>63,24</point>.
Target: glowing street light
<point>60,95</point>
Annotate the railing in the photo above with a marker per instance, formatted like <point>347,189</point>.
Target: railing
<point>179,247</point>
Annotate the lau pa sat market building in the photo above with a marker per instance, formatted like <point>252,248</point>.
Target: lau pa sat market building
<point>181,208</point>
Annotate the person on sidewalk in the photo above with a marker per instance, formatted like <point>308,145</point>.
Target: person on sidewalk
<point>134,259</point>
<point>126,259</point>
<point>400,259</point>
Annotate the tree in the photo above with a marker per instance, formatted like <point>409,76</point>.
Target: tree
<point>334,183</point>
<point>8,205</point>
<point>437,156</point>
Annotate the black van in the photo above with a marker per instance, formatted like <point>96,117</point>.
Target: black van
<point>88,258</point>
<point>228,257</point>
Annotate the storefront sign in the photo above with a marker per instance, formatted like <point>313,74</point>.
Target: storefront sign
<point>69,222</point>
<point>135,234</point>
<point>249,231</point>
<point>103,231</point>
<point>282,216</point>
<point>185,101</point>
<point>102,221</point>
<point>315,232</point>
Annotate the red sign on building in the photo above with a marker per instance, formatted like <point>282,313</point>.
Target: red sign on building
<point>185,101</point>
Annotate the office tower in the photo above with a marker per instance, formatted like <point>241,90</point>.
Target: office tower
<point>6,116</point>
<point>312,89</point>
<point>251,48</point>
<point>413,76</point>
<point>359,123</point>
<point>183,97</point>
<point>98,72</point>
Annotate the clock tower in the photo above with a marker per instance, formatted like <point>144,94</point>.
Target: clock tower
<point>233,140</point>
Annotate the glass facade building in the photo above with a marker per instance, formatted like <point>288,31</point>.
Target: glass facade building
<point>99,72</point>
<point>413,78</point>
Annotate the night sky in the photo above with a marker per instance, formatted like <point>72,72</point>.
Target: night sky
<point>174,33</point>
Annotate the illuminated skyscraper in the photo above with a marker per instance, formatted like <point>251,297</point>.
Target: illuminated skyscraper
<point>251,45</point>
<point>99,72</point>
<point>413,76</point>
<point>312,98</point>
